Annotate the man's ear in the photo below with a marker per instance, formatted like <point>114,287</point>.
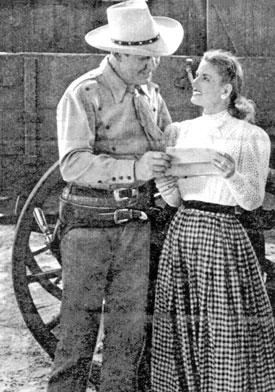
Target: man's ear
<point>227,89</point>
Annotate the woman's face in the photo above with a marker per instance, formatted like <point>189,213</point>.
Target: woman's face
<point>208,91</point>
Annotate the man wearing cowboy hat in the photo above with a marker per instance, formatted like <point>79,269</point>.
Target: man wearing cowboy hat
<point>110,135</point>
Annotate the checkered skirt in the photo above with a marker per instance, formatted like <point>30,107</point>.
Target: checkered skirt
<point>213,324</point>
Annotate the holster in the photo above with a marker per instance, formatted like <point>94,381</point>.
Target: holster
<point>87,216</point>
<point>87,207</point>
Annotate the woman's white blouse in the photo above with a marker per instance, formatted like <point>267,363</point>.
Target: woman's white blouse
<point>247,144</point>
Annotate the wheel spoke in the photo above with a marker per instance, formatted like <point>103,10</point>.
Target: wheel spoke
<point>53,323</point>
<point>41,250</point>
<point>39,277</point>
<point>36,271</point>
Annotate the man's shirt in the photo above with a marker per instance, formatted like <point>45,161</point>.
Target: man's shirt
<point>99,135</point>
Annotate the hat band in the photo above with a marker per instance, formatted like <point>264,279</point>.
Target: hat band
<point>136,43</point>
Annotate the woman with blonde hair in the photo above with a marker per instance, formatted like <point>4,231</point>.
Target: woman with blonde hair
<point>213,324</point>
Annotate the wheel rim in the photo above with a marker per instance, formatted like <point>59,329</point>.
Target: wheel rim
<point>36,273</point>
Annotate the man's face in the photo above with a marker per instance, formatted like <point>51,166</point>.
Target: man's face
<point>137,69</point>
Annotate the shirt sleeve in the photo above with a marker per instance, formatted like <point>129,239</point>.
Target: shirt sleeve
<point>173,198</point>
<point>164,118</point>
<point>247,185</point>
<point>76,138</point>
<point>171,134</point>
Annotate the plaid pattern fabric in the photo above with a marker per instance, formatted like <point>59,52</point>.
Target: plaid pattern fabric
<point>213,324</point>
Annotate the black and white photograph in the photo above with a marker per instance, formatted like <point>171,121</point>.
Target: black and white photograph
<point>137,196</point>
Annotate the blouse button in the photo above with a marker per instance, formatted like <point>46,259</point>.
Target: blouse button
<point>129,177</point>
<point>113,148</point>
<point>99,108</point>
<point>113,179</point>
<point>107,126</point>
<point>154,109</point>
<point>121,177</point>
<point>99,181</point>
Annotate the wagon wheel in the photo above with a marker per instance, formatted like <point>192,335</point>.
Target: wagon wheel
<point>36,270</point>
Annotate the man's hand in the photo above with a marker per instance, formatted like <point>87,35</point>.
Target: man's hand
<point>152,164</point>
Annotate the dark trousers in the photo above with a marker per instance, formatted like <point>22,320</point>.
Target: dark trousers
<point>97,263</point>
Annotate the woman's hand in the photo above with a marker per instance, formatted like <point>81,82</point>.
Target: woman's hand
<point>225,164</point>
<point>166,184</point>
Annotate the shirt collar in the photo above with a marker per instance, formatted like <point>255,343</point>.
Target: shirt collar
<point>221,116</point>
<point>145,89</point>
<point>116,84</point>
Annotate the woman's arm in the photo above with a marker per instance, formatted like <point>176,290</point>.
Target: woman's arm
<point>248,182</point>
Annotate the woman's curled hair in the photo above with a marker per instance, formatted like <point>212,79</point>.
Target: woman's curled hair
<point>230,69</point>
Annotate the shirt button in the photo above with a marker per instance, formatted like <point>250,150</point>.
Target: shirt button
<point>113,148</point>
<point>99,181</point>
<point>87,88</point>
<point>154,109</point>
<point>113,179</point>
<point>99,108</point>
<point>107,126</point>
<point>121,177</point>
<point>129,177</point>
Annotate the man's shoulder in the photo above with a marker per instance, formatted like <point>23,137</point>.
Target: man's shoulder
<point>89,80</point>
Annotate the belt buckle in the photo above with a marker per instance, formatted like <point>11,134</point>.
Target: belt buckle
<point>117,191</point>
<point>116,218</point>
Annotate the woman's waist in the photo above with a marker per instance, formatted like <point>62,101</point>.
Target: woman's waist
<point>225,201</point>
<point>210,207</point>
<point>216,193</point>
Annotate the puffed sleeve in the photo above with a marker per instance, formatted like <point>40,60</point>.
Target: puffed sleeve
<point>171,134</point>
<point>247,185</point>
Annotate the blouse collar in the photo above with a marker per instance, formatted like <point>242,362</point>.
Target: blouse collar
<point>221,116</point>
<point>217,122</point>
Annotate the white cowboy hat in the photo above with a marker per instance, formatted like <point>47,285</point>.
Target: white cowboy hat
<point>131,29</point>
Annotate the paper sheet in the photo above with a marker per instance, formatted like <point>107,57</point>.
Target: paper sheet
<point>192,161</point>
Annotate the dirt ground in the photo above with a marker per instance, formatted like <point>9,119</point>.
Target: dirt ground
<point>24,365</point>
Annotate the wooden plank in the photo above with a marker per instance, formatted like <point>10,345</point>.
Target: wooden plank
<point>11,77</point>
<point>11,106</point>
<point>1,152</point>
<point>192,15</point>
<point>245,27</point>
<point>259,72</point>
<point>71,23</point>
<point>49,25</point>
<point>30,108</point>
<point>60,25</point>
